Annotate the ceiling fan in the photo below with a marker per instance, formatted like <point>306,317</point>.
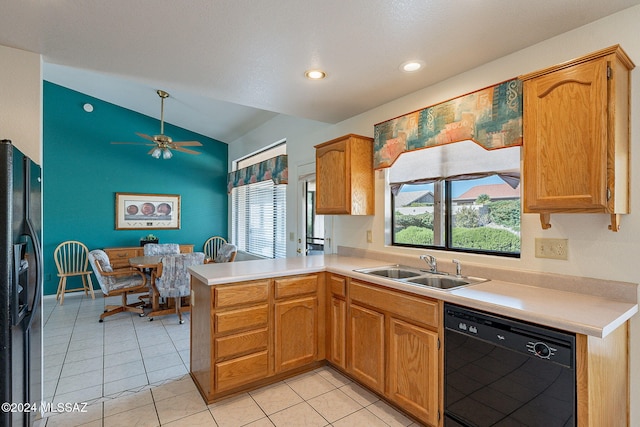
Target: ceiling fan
<point>163,144</point>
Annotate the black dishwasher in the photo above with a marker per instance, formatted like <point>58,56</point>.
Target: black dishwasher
<point>504,372</point>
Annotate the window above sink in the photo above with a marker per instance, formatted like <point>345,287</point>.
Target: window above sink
<point>479,215</point>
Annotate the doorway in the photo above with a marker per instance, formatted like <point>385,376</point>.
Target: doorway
<point>314,224</point>
<point>312,230</point>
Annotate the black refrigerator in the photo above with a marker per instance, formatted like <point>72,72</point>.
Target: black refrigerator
<point>20,286</point>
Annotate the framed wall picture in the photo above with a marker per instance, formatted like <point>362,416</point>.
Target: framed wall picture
<point>147,211</point>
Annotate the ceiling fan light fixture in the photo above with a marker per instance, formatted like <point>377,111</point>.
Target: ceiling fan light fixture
<point>163,143</point>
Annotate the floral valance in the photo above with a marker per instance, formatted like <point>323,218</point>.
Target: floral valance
<point>490,117</point>
<point>275,169</point>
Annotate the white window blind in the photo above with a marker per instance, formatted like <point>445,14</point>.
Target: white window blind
<point>259,219</point>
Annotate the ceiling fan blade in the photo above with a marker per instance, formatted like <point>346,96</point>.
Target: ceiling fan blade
<point>145,136</point>
<point>132,143</point>
<point>186,150</point>
<point>188,143</point>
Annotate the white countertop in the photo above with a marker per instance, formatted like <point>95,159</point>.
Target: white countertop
<point>574,312</point>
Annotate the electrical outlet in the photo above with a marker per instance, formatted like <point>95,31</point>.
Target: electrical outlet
<point>369,236</point>
<point>552,248</point>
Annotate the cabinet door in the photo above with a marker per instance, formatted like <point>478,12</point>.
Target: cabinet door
<point>332,179</point>
<point>296,333</point>
<point>337,323</point>
<point>366,346</point>
<point>413,370</point>
<point>565,139</point>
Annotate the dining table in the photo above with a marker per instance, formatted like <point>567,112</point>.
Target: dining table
<point>145,262</point>
<point>148,264</point>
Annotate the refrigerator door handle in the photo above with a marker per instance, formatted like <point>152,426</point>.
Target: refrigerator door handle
<point>31,232</point>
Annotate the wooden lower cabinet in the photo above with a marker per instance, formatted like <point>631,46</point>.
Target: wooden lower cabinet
<point>240,371</point>
<point>245,334</point>
<point>603,379</point>
<point>393,347</point>
<point>296,333</point>
<point>337,351</point>
<point>248,334</point>
<point>365,359</point>
<point>413,370</point>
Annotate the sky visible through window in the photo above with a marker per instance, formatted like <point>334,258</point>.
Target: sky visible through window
<point>461,186</point>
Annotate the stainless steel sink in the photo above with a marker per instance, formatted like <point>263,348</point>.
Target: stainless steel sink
<point>415,276</point>
<point>445,282</point>
<point>393,272</point>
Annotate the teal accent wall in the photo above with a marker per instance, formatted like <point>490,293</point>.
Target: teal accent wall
<point>83,171</point>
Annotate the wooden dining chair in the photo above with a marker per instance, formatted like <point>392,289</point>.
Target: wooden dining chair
<point>117,282</point>
<point>226,253</point>
<point>71,261</point>
<point>211,247</point>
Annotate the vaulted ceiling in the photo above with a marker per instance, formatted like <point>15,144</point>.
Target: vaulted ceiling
<point>232,65</point>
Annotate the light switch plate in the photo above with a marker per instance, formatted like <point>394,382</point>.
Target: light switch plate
<point>552,248</point>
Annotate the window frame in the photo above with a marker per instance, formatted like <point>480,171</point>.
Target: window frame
<point>446,186</point>
<point>278,196</point>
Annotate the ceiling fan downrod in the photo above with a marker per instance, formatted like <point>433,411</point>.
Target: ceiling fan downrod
<point>163,95</point>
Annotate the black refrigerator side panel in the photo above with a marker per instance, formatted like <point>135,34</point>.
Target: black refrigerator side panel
<point>6,274</point>
<point>34,218</point>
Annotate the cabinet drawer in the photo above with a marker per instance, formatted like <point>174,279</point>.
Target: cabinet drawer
<point>420,310</point>
<point>338,285</point>
<point>245,318</point>
<point>298,285</point>
<point>230,295</point>
<point>244,342</point>
<point>242,370</point>
<point>119,257</point>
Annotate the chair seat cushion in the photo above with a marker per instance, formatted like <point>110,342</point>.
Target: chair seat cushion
<point>124,282</point>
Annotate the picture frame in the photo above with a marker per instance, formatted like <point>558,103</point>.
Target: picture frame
<point>135,211</point>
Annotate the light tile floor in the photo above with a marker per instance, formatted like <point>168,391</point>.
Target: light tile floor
<point>133,372</point>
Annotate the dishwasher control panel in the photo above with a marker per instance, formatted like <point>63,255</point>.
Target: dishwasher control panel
<point>522,337</point>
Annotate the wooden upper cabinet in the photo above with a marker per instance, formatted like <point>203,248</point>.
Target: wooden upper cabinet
<point>344,176</point>
<point>576,137</point>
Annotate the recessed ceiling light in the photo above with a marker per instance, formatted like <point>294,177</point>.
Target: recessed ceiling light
<point>315,74</point>
<point>411,66</point>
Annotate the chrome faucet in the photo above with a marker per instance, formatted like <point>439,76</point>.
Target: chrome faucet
<point>431,262</point>
<point>458,267</point>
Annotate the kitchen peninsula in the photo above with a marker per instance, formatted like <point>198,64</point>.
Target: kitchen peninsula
<point>258,322</point>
